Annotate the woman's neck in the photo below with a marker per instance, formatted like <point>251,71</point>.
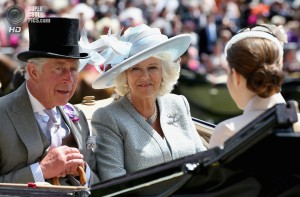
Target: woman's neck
<point>144,106</point>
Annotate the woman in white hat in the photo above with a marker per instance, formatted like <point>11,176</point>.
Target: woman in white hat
<point>255,58</point>
<point>147,126</point>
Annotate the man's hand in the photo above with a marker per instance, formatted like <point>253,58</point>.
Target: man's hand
<point>61,161</point>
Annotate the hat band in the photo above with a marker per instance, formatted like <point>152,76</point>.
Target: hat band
<point>146,43</point>
<point>72,50</point>
<point>253,34</point>
<point>131,45</point>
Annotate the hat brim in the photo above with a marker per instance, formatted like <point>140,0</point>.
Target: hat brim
<point>174,46</point>
<point>24,56</point>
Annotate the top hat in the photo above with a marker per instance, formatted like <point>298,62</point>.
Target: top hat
<point>54,38</point>
<point>139,43</point>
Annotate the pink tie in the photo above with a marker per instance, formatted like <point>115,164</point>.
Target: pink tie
<point>53,127</point>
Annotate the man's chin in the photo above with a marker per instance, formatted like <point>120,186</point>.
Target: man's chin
<point>63,101</point>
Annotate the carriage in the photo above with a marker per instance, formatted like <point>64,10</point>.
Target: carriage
<point>260,160</point>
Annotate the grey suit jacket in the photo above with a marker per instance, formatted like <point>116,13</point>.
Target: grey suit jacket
<point>127,143</point>
<point>254,108</point>
<point>22,143</point>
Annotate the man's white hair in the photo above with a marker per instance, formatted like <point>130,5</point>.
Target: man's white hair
<point>38,62</point>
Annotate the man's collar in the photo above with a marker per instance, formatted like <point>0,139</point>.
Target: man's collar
<point>37,107</point>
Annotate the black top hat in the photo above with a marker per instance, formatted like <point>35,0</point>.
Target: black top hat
<point>54,38</point>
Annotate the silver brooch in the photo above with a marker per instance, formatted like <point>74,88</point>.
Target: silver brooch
<point>173,119</point>
<point>91,142</point>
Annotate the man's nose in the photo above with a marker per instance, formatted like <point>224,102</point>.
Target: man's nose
<point>68,77</point>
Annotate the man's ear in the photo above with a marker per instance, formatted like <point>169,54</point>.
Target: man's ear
<point>32,71</point>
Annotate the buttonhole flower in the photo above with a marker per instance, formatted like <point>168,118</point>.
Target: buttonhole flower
<point>70,111</point>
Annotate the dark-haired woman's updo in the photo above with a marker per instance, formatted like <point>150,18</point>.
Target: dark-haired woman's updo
<point>259,61</point>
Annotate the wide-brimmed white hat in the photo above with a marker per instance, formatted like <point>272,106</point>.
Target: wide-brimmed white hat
<point>135,45</point>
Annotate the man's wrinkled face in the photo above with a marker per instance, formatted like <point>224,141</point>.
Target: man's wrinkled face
<point>55,82</point>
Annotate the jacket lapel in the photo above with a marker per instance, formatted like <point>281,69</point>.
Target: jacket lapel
<point>73,128</point>
<point>22,117</point>
<point>139,119</point>
<point>169,117</point>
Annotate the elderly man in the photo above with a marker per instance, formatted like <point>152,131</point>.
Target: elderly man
<point>42,136</point>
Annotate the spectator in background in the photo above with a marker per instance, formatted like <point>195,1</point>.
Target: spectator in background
<point>208,35</point>
<point>130,12</point>
<point>291,60</point>
<point>216,64</point>
<point>7,69</point>
<point>19,77</point>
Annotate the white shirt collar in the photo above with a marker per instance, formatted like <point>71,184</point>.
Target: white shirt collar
<point>259,103</point>
<point>37,107</point>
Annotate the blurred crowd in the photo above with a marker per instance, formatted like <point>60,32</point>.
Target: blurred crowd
<point>210,22</point>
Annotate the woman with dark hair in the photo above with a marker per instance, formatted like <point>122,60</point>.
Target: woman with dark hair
<point>255,76</point>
